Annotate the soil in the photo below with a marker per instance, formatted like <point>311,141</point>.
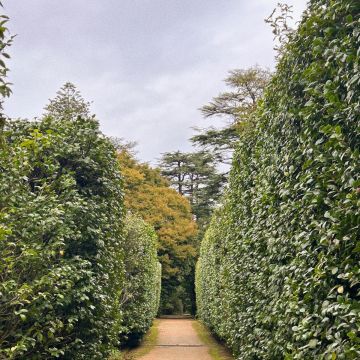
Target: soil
<point>177,340</point>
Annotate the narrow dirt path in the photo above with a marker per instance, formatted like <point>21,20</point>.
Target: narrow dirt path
<point>178,340</point>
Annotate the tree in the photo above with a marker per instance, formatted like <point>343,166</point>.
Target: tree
<point>5,91</point>
<point>279,22</point>
<point>68,104</point>
<point>174,166</point>
<point>149,195</point>
<point>61,239</point>
<point>195,176</point>
<point>248,86</point>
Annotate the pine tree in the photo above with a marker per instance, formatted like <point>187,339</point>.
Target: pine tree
<point>68,104</point>
<point>236,106</point>
<point>195,176</point>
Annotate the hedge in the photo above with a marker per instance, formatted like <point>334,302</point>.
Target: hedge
<point>278,275</point>
<point>141,294</point>
<point>209,299</point>
<point>61,268</point>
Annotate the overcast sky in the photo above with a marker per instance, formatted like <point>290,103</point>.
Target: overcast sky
<point>146,65</point>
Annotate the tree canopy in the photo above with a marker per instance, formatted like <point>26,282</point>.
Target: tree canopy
<point>149,195</point>
<point>5,90</point>
<point>236,106</point>
<point>195,176</point>
<point>68,104</point>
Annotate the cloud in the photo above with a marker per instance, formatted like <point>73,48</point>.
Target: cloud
<point>147,65</point>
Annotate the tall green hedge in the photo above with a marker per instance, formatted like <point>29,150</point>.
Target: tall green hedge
<point>208,276</point>
<point>61,268</point>
<point>141,294</point>
<point>278,275</point>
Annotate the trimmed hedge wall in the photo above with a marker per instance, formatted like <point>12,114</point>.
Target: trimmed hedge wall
<point>61,242</point>
<point>209,276</point>
<point>141,294</point>
<point>278,275</point>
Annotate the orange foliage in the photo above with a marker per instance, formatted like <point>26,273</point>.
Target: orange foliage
<point>149,195</point>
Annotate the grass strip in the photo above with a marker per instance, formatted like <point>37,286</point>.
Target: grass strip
<point>145,346</point>
<point>217,350</point>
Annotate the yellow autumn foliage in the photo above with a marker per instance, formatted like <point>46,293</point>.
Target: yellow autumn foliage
<point>149,195</point>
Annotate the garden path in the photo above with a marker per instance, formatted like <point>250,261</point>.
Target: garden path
<point>178,340</point>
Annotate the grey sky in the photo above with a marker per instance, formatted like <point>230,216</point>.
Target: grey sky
<point>147,65</point>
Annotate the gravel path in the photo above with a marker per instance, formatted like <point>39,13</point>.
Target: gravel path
<point>177,340</point>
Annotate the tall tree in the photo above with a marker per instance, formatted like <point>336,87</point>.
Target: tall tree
<point>68,104</point>
<point>61,241</point>
<point>149,195</point>
<point>247,86</point>
<point>174,166</point>
<point>194,175</point>
<point>5,91</point>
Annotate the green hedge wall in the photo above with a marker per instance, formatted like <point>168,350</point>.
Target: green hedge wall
<point>278,275</point>
<point>61,268</point>
<point>141,294</point>
<point>208,276</point>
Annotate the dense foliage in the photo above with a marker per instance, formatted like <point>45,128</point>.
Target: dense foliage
<point>278,275</point>
<point>68,104</point>
<point>61,241</point>
<point>73,280</point>
<point>195,176</point>
<point>148,195</point>
<point>5,90</point>
<point>141,294</point>
<point>5,41</point>
<point>236,105</point>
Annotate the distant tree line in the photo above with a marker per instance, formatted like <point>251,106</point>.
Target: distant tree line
<point>200,175</point>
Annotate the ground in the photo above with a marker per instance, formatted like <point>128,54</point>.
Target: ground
<point>178,339</point>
